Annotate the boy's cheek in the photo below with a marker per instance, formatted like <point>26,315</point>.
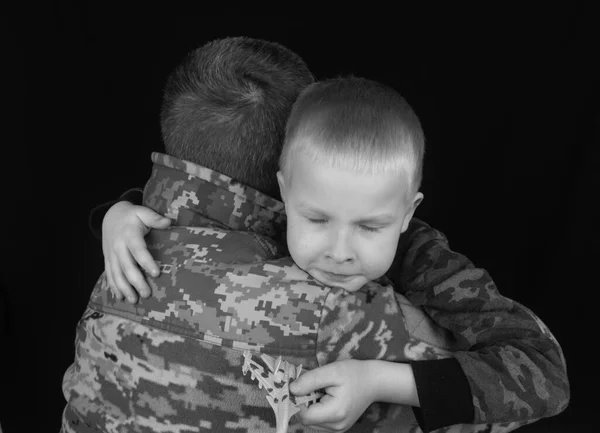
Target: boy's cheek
<point>379,255</point>
<point>302,244</point>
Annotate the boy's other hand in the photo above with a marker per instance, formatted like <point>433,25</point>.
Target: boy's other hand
<point>123,230</point>
<point>348,393</point>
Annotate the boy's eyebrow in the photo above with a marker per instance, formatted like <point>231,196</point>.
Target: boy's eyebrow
<point>309,208</point>
<point>383,218</point>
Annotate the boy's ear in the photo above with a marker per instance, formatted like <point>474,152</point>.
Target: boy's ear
<point>281,182</point>
<point>416,201</point>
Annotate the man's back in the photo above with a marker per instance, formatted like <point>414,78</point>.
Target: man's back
<point>175,359</point>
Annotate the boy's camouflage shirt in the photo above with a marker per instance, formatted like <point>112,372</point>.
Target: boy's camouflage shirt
<point>514,365</point>
<point>173,362</point>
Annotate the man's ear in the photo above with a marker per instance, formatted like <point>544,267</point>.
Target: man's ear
<point>416,201</point>
<point>281,182</point>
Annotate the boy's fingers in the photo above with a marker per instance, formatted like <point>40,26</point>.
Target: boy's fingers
<point>111,281</point>
<point>121,284</point>
<point>136,278</point>
<point>319,413</point>
<point>118,295</point>
<point>313,380</point>
<point>139,251</point>
<point>319,428</point>
<point>151,219</point>
<point>132,272</point>
<point>125,288</point>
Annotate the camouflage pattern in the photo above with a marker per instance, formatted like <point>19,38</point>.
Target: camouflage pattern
<point>177,189</point>
<point>515,366</point>
<point>174,362</point>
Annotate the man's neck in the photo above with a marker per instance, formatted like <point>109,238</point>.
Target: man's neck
<point>193,195</point>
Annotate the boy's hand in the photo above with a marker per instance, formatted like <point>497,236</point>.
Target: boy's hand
<point>348,393</point>
<point>123,230</point>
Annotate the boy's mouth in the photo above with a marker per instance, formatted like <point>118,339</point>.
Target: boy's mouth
<point>338,278</point>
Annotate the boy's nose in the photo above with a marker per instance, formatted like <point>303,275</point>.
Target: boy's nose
<point>340,249</point>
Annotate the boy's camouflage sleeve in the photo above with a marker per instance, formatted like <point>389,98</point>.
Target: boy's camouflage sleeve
<point>515,367</point>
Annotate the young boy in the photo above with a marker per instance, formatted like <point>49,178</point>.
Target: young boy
<point>349,178</point>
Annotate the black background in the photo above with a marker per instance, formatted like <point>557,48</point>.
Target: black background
<point>507,100</point>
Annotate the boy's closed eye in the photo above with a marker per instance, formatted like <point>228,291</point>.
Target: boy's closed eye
<point>370,229</point>
<point>361,226</point>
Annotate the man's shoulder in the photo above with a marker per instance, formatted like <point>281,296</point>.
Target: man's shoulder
<point>190,194</point>
<point>213,244</point>
<point>230,288</point>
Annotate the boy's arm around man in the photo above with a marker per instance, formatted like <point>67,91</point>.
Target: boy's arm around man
<point>514,367</point>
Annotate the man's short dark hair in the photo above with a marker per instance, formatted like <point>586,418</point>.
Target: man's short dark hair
<point>226,105</point>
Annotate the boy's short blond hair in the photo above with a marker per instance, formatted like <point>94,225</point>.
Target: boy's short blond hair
<point>357,124</point>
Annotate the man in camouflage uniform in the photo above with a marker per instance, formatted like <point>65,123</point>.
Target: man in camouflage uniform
<point>174,361</point>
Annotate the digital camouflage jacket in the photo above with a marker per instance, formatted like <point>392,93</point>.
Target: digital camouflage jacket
<point>175,362</point>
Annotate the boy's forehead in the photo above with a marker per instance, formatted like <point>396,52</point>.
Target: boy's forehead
<point>367,159</point>
<point>317,184</point>
<point>305,167</point>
